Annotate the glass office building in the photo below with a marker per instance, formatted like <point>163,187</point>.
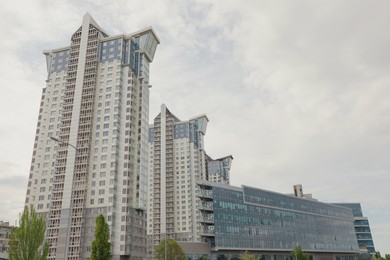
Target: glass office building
<point>271,225</point>
<point>362,228</point>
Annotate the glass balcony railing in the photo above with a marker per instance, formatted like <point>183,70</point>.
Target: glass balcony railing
<point>206,206</point>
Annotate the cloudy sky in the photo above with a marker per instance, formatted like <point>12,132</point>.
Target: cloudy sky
<point>297,91</point>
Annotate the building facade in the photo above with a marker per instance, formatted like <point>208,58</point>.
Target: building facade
<point>5,230</point>
<point>90,151</point>
<point>270,225</point>
<point>218,170</point>
<point>362,228</point>
<point>177,159</point>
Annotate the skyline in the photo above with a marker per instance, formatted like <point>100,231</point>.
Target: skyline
<point>295,92</point>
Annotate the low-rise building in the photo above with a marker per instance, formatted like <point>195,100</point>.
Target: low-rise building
<point>270,225</point>
<point>5,230</point>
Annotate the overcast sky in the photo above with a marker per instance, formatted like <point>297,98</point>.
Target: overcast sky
<point>296,91</point>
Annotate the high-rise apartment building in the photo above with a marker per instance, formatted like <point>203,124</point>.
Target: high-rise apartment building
<point>96,106</point>
<point>177,161</point>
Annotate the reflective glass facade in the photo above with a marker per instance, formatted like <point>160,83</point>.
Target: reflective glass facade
<point>254,219</point>
<point>362,228</point>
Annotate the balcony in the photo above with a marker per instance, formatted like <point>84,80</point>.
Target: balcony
<point>207,194</point>
<point>206,206</point>
<point>207,219</point>
<point>208,231</point>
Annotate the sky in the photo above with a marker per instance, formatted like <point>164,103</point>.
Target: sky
<point>296,91</point>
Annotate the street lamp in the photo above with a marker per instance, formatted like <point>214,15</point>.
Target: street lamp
<point>59,141</point>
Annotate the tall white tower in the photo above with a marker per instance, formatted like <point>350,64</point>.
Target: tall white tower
<point>177,160</point>
<point>96,103</point>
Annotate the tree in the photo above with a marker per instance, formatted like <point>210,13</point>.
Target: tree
<point>377,256</point>
<point>298,254</point>
<point>247,256</point>
<point>173,250</point>
<point>27,242</point>
<point>101,248</point>
<point>364,256</point>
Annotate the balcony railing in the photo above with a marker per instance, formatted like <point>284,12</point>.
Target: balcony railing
<point>207,231</point>
<point>208,206</point>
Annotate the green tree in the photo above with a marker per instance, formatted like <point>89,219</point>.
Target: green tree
<point>298,254</point>
<point>27,242</point>
<point>247,256</point>
<point>377,256</point>
<point>387,257</point>
<point>173,250</point>
<point>365,256</point>
<point>101,248</point>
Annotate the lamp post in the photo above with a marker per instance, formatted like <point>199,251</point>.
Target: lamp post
<point>59,141</point>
